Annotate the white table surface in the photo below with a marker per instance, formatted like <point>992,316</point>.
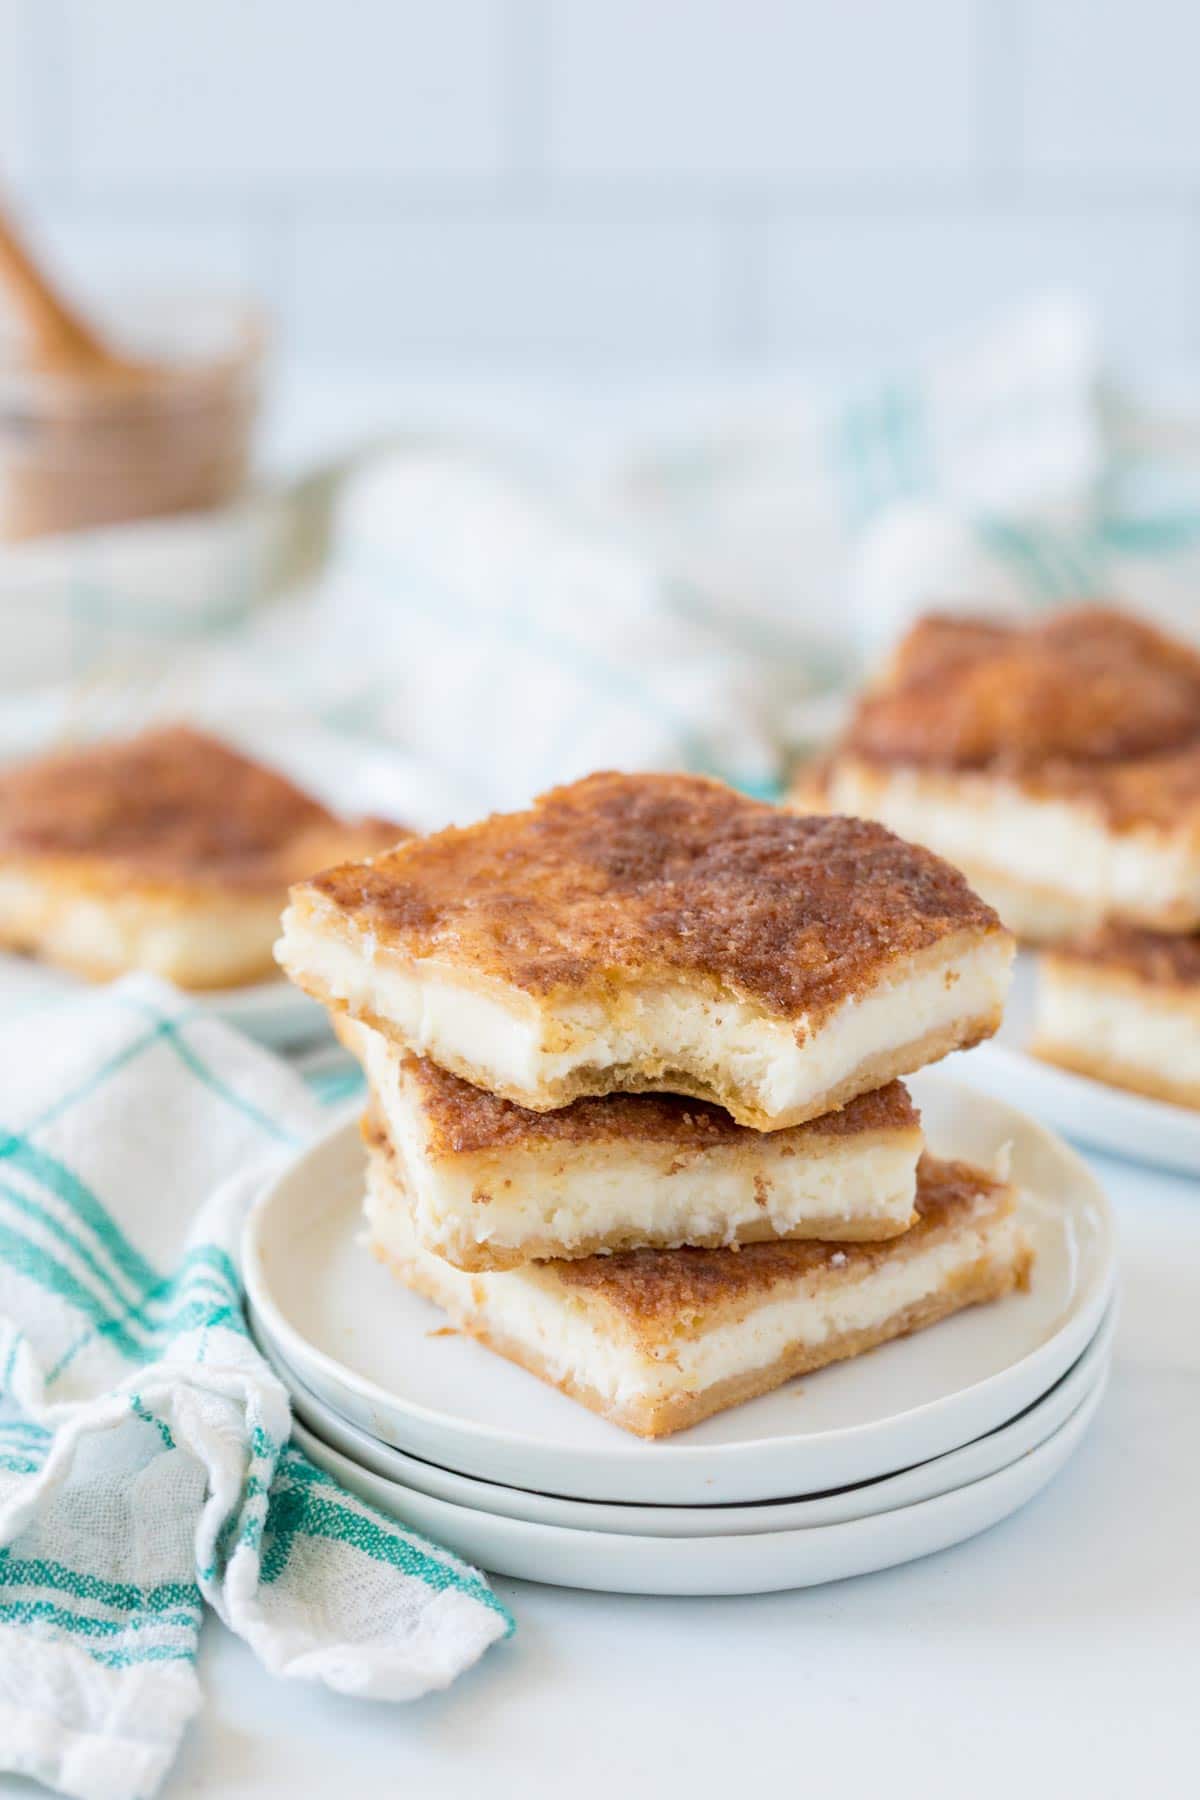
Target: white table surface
<point>1055,1655</point>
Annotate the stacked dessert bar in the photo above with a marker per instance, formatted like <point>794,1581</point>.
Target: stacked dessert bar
<point>635,1119</point>
<point>1058,765</point>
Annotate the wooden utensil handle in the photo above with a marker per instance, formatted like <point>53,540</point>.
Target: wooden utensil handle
<point>60,337</point>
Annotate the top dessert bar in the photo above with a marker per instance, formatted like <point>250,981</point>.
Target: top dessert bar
<point>658,932</point>
<point>1057,764</point>
<point>495,1185</point>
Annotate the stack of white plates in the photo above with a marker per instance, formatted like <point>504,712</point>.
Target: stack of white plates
<point>873,1462</point>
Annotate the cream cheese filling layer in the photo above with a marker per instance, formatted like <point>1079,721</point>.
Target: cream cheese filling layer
<point>1118,1022</point>
<point>631,1196</point>
<point>526,1307</point>
<point>781,1064</point>
<point>980,822</point>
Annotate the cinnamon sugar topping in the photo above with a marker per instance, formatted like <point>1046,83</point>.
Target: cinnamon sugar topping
<point>461,1119</point>
<point>173,803</point>
<point>655,877</point>
<point>1091,685</point>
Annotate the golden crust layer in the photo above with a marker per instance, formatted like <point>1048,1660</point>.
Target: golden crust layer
<point>170,809</point>
<point>1132,1076</point>
<point>461,1119</point>
<point>659,877</point>
<point>483,1259</point>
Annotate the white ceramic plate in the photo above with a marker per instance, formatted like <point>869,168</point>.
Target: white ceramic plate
<point>363,1344</point>
<point>984,1457</point>
<point>1109,1118</point>
<point>274,1012</point>
<point>760,1563</point>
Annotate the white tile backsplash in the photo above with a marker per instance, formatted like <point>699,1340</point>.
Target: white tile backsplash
<point>146,247</point>
<point>762,90</point>
<point>635,181</point>
<point>1110,87</point>
<point>885,283</point>
<point>497,284</point>
<point>17,66</point>
<point>285,93</point>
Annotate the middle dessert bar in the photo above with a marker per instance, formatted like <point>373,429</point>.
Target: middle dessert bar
<point>494,1185</point>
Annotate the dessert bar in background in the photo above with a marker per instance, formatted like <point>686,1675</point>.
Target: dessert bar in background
<point>169,852</point>
<point>1124,1006</point>
<point>1057,764</point>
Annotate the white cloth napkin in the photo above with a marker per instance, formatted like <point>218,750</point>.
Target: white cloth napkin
<point>145,1469</point>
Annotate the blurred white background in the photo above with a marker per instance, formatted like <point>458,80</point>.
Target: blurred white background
<point>631,184</point>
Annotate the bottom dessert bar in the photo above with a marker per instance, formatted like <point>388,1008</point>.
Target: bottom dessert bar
<point>1124,1006</point>
<point>656,1340</point>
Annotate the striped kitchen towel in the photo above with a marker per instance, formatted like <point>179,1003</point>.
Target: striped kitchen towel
<point>813,522</point>
<point>144,1460</point>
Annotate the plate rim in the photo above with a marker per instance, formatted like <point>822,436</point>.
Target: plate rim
<point>1091,1369</point>
<point>676,1565</point>
<point>685,1460</point>
<point>1161,1124</point>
